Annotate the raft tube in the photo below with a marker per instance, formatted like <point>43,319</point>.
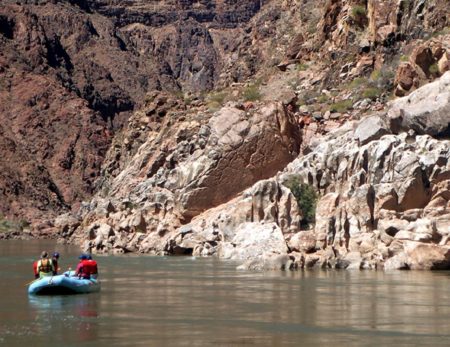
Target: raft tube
<point>63,284</point>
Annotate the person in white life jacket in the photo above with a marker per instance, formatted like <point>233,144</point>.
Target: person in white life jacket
<point>45,266</point>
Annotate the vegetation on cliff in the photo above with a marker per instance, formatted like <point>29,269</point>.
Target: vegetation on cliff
<point>306,198</point>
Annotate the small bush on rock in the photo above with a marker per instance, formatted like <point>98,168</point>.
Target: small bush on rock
<point>251,93</point>
<point>434,69</point>
<point>306,200</point>
<point>359,15</point>
<point>372,93</point>
<point>8,225</point>
<point>218,97</point>
<point>341,106</point>
<point>358,11</point>
<point>404,58</point>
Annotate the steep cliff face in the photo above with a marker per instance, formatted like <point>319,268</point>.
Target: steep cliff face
<point>71,73</point>
<point>178,169</point>
<point>384,186</point>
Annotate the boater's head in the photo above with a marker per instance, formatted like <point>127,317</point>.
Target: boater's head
<point>44,254</point>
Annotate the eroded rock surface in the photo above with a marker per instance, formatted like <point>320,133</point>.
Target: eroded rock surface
<point>199,164</point>
<point>383,203</point>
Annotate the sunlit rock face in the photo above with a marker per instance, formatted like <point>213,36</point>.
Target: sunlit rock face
<point>377,178</point>
<point>385,196</point>
<point>200,163</point>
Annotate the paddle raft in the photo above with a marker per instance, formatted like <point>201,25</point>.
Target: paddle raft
<point>63,284</point>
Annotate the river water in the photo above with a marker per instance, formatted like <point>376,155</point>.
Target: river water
<point>184,301</point>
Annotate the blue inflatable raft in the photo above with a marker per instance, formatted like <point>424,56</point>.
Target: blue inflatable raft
<point>63,284</point>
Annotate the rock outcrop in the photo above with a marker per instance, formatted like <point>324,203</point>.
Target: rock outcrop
<point>383,203</point>
<point>386,197</point>
<point>72,72</point>
<point>181,180</point>
<point>200,163</point>
<point>425,111</point>
<point>426,61</point>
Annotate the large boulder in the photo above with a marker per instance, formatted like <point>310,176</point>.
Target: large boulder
<point>406,79</point>
<point>254,241</point>
<point>427,256</point>
<point>246,149</point>
<point>371,128</point>
<point>426,110</point>
<point>304,241</point>
<point>267,202</point>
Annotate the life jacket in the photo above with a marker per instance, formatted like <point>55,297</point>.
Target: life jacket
<point>89,268</point>
<point>45,267</point>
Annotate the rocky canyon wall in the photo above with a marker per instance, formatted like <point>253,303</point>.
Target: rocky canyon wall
<point>72,72</point>
<point>185,121</point>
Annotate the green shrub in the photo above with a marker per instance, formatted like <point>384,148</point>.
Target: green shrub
<point>359,15</point>
<point>371,93</point>
<point>323,98</point>
<point>213,106</point>
<point>251,93</point>
<point>357,82</point>
<point>434,69</point>
<point>358,11</point>
<point>218,97</point>
<point>444,31</point>
<point>375,75</point>
<point>302,67</point>
<point>306,200</point>
<point>384,79</point>
<point>8,225</point>
<point>404,58</point>
<point>341,106</point>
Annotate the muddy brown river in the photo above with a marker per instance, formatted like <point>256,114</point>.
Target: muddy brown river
<point>185,301</point>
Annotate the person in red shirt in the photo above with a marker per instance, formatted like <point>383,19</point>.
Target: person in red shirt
<point>92,267</point>
<point>87,267</point>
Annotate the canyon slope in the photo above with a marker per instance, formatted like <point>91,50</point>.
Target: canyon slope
<point>72,72</point>
<point>192,123</point>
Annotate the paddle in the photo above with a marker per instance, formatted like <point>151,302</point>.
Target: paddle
<point>27,284</point>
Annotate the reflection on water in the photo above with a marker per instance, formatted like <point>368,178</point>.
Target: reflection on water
<point>67,314</point>
<point>81,305</point>
<point>147,301</point>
